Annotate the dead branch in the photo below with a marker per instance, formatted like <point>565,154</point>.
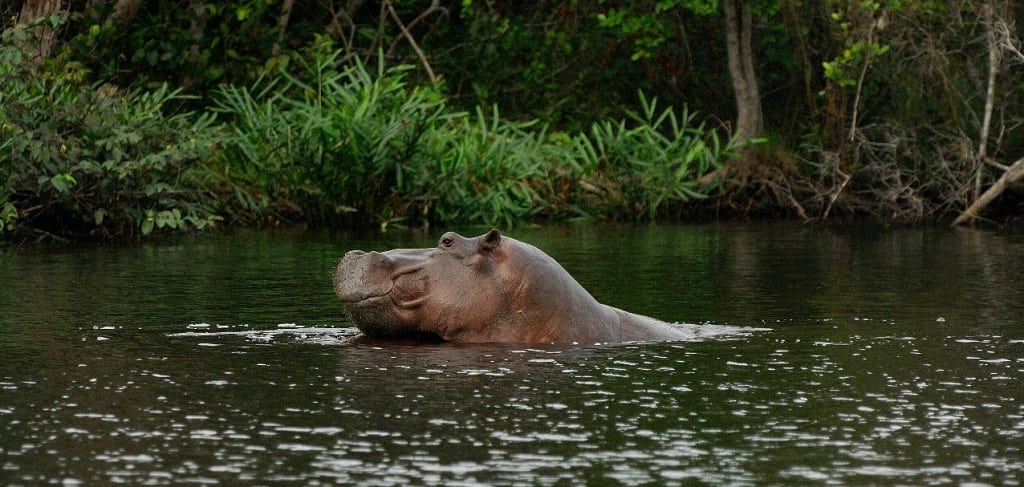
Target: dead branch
<point>1000,42</point>
<point>835,193</point>
<point>342,26</point>
<point>412,41</point>
<point>1014,173</point>
<point>435,6</point>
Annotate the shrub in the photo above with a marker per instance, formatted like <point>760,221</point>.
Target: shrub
<point>327,144</point>
<point>319,144</point>
<point>95,160</point>
<point>635,167</point>
<point>351,143</point>
<point>491,171</point>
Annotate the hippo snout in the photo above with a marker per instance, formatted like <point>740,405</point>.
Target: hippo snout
<point>362,275</point>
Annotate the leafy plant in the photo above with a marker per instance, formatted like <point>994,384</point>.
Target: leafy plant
<point>335,144</point>
<point>90,159</point>
<point>636,168</point>
<point>490,170</point>
<point>326,141</point>
<point>8,217</point>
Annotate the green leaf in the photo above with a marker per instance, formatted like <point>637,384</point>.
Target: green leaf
<point>8,215</point>
<point>62,182</point>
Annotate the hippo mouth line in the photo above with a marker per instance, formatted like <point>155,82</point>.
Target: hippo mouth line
<point>362,299</point>
<point>355,294</point>
<point>383,315</point>
<point>374,299</point>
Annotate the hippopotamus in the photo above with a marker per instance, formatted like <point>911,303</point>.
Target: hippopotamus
<point>486,289</point>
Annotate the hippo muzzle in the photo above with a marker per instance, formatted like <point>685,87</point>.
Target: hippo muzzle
<point>381,290</point>
<point>362,275</point>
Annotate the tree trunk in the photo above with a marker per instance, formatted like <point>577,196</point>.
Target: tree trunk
<point>738,27</point>
<point>282,26</point>
<point>34,9</point>
<point>998,36</point>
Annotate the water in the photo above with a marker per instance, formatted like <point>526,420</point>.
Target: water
<point>894,357</point>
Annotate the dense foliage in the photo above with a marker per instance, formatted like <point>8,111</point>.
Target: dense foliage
<point>122,119</point>
<point>84,157</point>
<point>323,144</point>
<point>326,143</point>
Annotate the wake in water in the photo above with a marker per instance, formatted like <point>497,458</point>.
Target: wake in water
<point>708,330</point>
<point>289,332</point>
<point>294,333</point>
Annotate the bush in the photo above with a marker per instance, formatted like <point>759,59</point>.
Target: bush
<point>325,142</point>
<point>635,170</point>
<point>321,144</point>
<point>328,144</point>
<point>93,160</point>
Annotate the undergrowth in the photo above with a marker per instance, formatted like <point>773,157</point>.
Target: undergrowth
<point>326,144</point>
<point>90,159</point>
<point>319,144</point>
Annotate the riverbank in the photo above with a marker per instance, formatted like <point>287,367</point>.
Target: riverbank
<point>327,139</point>
<point>327,145</point>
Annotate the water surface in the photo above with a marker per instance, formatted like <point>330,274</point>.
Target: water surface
<point>894,357</point>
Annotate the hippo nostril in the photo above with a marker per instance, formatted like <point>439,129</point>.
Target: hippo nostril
<point>372,258</point>
<point>379,259</point>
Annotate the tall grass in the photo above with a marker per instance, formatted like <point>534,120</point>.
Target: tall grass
<point>489,170</point>
<point>652,159</point>
<point>325,143</point>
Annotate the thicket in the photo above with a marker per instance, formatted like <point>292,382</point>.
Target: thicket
<point>122,118</point>
<point>321,143</point>
<point>82,158</point>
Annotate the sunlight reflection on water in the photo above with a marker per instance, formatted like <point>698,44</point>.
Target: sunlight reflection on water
<point>857,382</point>
<point>660,413</point>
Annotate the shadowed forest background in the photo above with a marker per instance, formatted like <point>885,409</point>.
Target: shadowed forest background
<point>121,118</point>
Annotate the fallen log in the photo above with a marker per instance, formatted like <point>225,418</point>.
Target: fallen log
<point>1012,174</point>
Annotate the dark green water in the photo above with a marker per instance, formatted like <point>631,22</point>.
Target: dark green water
<point>894,357</point>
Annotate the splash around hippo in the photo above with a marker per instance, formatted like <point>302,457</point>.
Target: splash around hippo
<point>490,288</point>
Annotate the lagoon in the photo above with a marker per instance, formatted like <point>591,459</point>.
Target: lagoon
<point>894,356</point>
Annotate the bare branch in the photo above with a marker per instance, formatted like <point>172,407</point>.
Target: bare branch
<point>412,41</point>
<point>1014,173</point>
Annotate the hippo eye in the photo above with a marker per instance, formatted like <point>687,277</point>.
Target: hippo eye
<point>447,242</point>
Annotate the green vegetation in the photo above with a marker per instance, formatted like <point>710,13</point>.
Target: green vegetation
<point>327,144</point>
<point>323,145</point>
<point>120,121</point>
<point>90,159</point>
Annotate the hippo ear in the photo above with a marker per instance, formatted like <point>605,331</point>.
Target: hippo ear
<point>490,240</point>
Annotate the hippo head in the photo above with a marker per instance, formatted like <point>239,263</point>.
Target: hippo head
<point>488,288</point>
